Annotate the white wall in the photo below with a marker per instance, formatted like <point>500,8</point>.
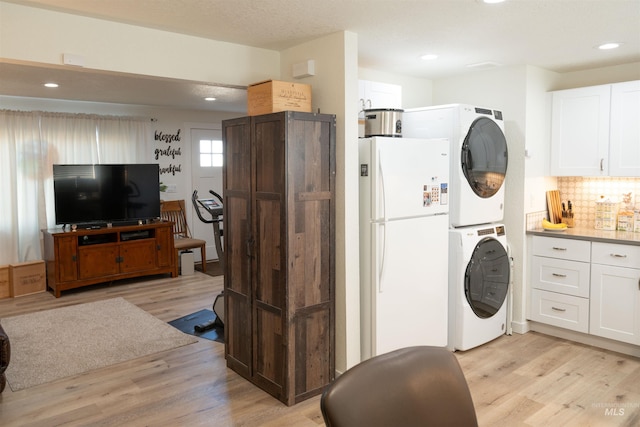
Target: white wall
<point>335,91</point>
<point>597,76</point>
<point>43,36</point>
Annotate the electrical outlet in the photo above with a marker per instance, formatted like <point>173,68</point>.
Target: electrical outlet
<point>172,188</point>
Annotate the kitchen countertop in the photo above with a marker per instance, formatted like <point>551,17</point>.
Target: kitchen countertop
<point>593,235</point>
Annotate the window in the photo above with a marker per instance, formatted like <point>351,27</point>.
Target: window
<point>210,153</point>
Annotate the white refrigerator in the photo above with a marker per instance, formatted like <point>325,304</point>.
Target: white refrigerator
<point>404,221</point>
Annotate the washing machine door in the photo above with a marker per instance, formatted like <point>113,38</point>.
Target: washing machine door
<point>486,280</point>
<point>484,157</point>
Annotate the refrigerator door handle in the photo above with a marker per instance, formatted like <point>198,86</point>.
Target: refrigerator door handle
<point>382,261</point>
<point>382,187</point>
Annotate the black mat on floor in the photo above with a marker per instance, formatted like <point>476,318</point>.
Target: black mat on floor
<point>213,268</point>
<point>186,324</point>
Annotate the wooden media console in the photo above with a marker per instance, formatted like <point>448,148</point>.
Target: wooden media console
<point>88,256</point>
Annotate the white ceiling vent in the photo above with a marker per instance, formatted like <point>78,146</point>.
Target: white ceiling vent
<point>484,65</point>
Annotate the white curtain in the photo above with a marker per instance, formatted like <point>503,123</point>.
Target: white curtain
<point>30,143</point>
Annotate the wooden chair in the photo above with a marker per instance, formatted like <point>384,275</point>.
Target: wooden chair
<point>174,211</point>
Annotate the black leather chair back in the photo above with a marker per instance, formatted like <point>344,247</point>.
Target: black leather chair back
<point>415,386</point>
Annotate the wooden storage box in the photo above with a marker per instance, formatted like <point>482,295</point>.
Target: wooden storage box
<point>28,278</point>
<point>273,96</point>
<point>5,285</point>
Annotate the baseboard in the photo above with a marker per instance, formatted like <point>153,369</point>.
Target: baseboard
<point>605,343</point>
<point>520,327</point>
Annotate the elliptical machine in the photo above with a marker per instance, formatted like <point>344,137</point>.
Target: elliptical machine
<point>213,207</point>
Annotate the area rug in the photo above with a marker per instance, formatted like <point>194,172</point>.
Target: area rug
<point>58,343</point>
<point>188,323</point>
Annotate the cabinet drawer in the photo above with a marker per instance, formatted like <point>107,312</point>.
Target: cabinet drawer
<point>560,310</point>
<point>615,254</point>
<point>559,275</point>
<point>555,247</point>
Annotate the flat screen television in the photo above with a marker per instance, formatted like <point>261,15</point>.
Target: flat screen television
<point>119,194</point>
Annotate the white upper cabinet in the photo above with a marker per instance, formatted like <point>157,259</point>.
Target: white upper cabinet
<point>595,131</point>
<point>379,95</point>
<point>624,142</point>
<point>580,131</point>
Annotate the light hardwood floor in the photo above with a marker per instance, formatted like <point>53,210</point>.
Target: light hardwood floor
<point>519,380</point>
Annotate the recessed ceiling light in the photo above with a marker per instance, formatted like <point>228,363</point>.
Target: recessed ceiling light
<point>209,99</point>
<point>492,1</point>
<point>608,46</point>
<point>51,84</point>
<point>429,57</point>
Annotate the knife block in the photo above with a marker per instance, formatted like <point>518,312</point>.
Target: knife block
<point>568,219</point>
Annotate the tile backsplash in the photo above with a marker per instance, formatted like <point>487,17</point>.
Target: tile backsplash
<point>534,219</point>
<point>585,191</point>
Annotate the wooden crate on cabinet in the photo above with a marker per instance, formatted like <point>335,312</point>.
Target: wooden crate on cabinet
<point>279,190</point>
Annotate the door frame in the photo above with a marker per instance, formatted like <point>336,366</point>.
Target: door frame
<point>192,217</point>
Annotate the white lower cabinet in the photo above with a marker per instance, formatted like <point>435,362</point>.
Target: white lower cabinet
<point>615,292</point>
<point>588,287</point>
<point>556,309</point>
<point>560,282</point>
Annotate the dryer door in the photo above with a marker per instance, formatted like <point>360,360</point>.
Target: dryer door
<point>486,280</point>
<point>484,157</point>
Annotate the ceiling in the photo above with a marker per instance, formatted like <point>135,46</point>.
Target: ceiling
<point>557,35</point>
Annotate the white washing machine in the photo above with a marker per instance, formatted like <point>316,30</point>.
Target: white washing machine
<point>479,271</point>
<point>478,157</point>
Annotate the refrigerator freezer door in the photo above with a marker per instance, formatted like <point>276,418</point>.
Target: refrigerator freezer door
<point>410,177</point>
<point>409,295</point>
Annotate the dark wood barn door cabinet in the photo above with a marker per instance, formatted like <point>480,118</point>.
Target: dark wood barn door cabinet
<point>279,179</point>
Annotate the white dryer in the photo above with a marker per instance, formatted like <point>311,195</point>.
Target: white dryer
<point>478,157</point>
<point>479,271</point>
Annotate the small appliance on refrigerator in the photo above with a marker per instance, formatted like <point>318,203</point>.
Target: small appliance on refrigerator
<point>404,223</point>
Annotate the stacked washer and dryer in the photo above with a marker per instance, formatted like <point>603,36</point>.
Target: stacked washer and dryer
<point>479,266</point>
